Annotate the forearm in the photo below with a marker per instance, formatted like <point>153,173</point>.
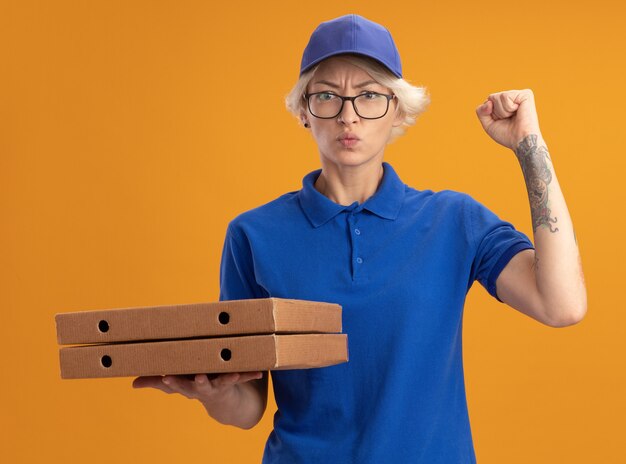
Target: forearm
<point>243,407</point>
<point>557,267</point>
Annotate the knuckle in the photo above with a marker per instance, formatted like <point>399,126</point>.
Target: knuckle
<point>173,383</point>
<point>172,388</point>
<point>228,379</point>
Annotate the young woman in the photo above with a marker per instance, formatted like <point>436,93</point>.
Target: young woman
<point>399,260</point>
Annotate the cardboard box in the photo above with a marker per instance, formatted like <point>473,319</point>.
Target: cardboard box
<point>205,355</point>
<point>214,319</point>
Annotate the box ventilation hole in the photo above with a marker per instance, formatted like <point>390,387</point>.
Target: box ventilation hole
<point>226,354</point>
<point>224,318</point>
<point>106,361</point>
<point>103,326</point>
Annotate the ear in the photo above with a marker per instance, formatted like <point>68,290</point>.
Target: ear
<point>398,117</point>
<point>304,120</point>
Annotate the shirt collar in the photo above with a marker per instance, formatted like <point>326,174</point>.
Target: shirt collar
<point>386,201</point>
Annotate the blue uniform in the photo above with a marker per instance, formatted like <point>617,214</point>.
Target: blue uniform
<point>400,264</point>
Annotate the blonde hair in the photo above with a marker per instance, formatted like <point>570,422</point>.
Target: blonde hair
<point>412,100</point>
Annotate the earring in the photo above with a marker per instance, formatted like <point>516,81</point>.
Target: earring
<point>306,124</point>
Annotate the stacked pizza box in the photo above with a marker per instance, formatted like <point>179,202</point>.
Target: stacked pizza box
<point>214,337</point>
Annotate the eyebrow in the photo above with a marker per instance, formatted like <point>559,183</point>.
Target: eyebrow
<point>330,84</point>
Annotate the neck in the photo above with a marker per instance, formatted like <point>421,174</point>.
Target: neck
<point>346,184</point>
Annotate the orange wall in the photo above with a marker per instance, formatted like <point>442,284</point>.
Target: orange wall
<point>131,132</point>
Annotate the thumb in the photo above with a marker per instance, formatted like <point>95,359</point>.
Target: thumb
<point>486,108</point>
<point>484,113</point>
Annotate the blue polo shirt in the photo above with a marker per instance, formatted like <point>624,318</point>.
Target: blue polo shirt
<point>400,264</point>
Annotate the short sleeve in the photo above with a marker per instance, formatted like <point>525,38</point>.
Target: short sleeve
<point>495,243</point>
<point>237,280</point>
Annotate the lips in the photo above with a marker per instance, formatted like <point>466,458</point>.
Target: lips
<point>347,136</point>
<point>348,140</point>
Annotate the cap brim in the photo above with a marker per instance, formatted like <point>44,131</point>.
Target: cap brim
<point>349,52</point>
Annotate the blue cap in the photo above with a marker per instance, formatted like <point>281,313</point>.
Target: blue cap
<point>351,34</point>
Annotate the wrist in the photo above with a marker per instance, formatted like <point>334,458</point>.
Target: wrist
<point>530,143</point>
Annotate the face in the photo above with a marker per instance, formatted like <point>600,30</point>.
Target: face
<point>366,138</point>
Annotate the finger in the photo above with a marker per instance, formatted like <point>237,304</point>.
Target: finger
<point>206,383</point>
<point>147,381</point>
<point>484,113</point>
<point>202,383</point>
<point>225,380</point>
<point>152,382</point>
<point>484,108</point>
<point>504,104</point>
<point>247,376</point>
<point>509,105</point>
<point>498,110</point>
<point>179,384</point>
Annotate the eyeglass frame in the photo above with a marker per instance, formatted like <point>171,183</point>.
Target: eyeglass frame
<point>307,97</point>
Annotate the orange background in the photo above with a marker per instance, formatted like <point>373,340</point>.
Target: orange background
<point>131,132</point>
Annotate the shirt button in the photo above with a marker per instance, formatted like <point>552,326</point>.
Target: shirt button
<point>357,231</point>
<point>359,260</point>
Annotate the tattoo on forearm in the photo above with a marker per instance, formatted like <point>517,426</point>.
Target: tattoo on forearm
<point>538,176</point>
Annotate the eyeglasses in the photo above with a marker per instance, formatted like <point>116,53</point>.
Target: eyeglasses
<point>369,105</point>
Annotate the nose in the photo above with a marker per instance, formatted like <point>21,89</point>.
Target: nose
<point>348,113</point>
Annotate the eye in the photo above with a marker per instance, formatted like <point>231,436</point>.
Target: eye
<point>370,95</point>
<point>325,96</point>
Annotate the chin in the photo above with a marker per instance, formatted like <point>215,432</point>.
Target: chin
<point>350,158</point>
